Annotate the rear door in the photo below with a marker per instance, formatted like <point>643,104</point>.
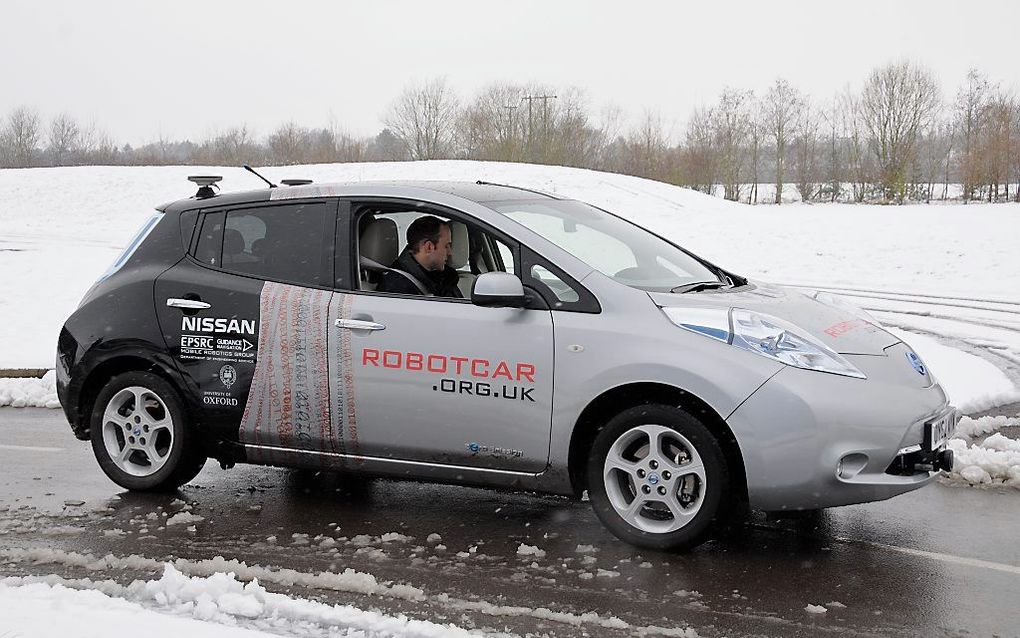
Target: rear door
<point>255,276</point>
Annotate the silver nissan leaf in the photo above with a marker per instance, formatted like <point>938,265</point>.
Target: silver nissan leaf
<point>570,351</point>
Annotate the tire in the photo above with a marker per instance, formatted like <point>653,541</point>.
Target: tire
<point>148,450</point>
<point>666,496</point>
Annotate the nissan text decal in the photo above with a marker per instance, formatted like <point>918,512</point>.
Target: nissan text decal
<point>465,369</point>
<point>218,324</point>
<point>218,339</point>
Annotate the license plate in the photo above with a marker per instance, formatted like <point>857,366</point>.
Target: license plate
<point>937,432</point>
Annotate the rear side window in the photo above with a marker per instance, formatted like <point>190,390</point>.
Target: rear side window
<point>277,243</point>
<point>139,237</point>
<point>210,240</point>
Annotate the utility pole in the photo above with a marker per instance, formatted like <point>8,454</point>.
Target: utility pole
<point>509,154</point>
<point>545,116</point>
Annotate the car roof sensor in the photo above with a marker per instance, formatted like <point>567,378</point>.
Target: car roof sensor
<point>205,184</point>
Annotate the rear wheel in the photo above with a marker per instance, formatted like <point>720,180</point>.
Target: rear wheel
<point>140,435</point>
<point>657,477</point>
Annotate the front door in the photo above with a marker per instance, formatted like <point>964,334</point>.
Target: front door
<point>444,381</point>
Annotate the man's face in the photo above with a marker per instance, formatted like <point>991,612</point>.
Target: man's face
<point>436,255</point>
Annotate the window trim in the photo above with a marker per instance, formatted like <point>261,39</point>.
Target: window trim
<point>327,241</point>
<point>587,302</point>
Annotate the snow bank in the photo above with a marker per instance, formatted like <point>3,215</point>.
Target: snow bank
<point>215,589</point>
<point>348,580</point>
<point>216,606</point>
<point>40,609</point>
<point>30,393</point>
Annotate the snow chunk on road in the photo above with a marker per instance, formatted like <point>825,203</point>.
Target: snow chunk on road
<point>996,461</point>
<point>530,550</point>
<point>184,518</point>
<point>971,428</point>
<point>30,393</point>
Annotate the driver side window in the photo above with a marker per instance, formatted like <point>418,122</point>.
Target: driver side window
<point>383,241</point>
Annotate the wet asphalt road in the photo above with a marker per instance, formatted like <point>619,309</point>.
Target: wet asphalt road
<point>943,561</point>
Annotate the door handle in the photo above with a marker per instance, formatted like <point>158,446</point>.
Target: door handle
<point>358,324</point>
<point>187,304</point>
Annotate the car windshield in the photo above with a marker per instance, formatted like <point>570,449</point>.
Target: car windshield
<point>623,251</point>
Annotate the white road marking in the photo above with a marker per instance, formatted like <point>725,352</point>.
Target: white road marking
<point>31,448</point>
<point>946,558</point>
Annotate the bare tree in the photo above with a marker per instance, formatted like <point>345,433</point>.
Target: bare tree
<point>755,136</point>
<point>731,121</point>
<point>424,118</point>
<point>971,106</point>
<point>997,142</point>
<point>20,137</point>
<point>237,146</point>
<point>646,148</point>
<point>289,144</point>
<point>489,128</point>
<point>96,146</point>
<point>781,111</point>
<point>805,153</point>
<point>835,166</point>
<point>858,160</point>
<point>63,139</point>
<point>936,149</point>
<point>899,102</point>
<point>700,157</point>
<point>571,137</point>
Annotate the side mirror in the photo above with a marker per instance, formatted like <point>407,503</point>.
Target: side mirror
<point>498,290</point>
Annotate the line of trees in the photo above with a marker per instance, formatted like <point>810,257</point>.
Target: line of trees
<point>893,139</point>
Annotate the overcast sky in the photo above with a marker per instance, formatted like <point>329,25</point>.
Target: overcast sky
<point>187,69</point>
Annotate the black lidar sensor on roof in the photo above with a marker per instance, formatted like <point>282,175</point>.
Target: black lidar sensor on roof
<point>205,185</point>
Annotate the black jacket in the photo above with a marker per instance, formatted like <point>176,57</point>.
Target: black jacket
<point>441,283</point>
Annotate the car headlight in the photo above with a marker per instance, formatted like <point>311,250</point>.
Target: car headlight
<point>765,335</point>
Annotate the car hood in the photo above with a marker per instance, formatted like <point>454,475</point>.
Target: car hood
<point>842,331</point>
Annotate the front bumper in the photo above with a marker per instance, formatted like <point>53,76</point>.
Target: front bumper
<point>811,440</point>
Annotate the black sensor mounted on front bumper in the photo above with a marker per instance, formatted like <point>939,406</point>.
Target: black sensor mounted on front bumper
<point>920,461</point>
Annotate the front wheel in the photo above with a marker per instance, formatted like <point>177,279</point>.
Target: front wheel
<point>139,434</point>
<point>657,477</point>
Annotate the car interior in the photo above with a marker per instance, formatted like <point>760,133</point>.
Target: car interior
<point>381,237</point>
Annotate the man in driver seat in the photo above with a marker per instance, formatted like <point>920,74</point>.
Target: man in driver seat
<point>429,246</point>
